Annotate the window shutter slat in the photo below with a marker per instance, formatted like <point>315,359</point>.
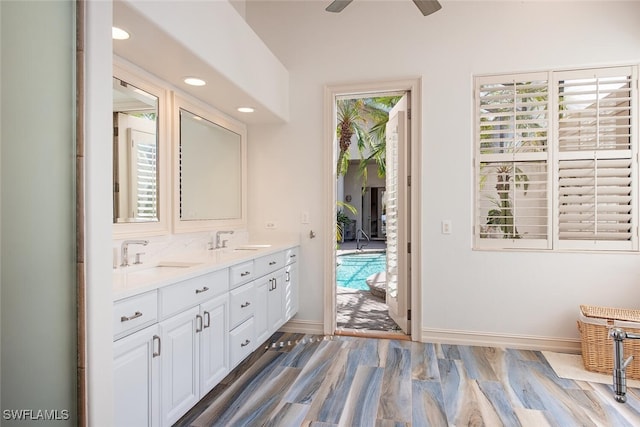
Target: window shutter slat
<point>594,199</point>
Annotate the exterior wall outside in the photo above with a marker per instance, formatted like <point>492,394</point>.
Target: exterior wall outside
<point>508,294</point>
<point>38,285</point>
<point>353,188</point>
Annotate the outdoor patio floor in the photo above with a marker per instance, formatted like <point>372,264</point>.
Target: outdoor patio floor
<point>361,310</point>
<point>358,311</point>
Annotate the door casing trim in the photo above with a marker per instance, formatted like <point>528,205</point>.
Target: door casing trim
<point>331,92</point>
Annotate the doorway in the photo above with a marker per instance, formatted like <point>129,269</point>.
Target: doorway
<point>373,217</point>
<point>382,223</point>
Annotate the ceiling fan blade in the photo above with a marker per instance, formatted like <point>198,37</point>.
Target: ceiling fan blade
<point>338,5</point>
<point>427,7</point>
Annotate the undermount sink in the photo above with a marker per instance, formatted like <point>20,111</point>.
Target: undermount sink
<point>176,264</point>
<point>161,267</point>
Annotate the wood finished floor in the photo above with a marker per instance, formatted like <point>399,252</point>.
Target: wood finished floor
<point>317,381</point>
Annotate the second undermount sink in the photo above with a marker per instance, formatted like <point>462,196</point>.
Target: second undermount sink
<point>251,247</point>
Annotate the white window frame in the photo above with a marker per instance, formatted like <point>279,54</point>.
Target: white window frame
<point>542,157</point>
<point>554,157</point>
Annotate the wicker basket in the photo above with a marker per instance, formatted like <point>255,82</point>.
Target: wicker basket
<point>597,346</point>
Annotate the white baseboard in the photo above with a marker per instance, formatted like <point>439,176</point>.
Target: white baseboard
<point>303,327</point>
<point>459,337</point>
<point>522,342</point>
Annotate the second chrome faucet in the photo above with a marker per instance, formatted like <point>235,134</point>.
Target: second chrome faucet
<point>219,242</point>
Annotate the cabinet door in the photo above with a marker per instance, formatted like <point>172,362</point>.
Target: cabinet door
<point>275,304</point>
<point>291,291</point>
<point>261,310</point>
<point>214,343</point>
<point>180,371</point>
<point>136,384</point>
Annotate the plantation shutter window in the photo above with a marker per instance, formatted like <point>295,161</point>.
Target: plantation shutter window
<point>512,161</point>
<point>596,151</point>
<point>144,179</point>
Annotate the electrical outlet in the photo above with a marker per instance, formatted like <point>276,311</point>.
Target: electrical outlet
<point>271,225</point>
<point>446,226</point>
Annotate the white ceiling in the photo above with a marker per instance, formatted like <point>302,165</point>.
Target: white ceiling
<point>155,51</point>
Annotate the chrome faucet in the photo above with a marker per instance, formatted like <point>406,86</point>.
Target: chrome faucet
<point>221,243</point>
<point>124,250</point>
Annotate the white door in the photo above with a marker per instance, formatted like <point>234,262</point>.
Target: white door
<point>180,370</point>
<point>261,313</point>
<point>136,380</point>
<point>214,343</point>
<point>397,215</point>
<point>291,291</point>
<point>276,300</point>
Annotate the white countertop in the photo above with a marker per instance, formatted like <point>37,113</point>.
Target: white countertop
<point>134,280</point>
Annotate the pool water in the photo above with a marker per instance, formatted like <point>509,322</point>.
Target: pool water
<point>352,270</point>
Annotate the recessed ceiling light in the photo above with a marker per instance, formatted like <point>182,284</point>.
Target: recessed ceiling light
<point>194,81</point>
<point>246,109</point>
<point>119,34</point>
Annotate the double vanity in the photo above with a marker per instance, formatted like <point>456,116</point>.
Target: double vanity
<point>183,318</point>
<point>181,325</point>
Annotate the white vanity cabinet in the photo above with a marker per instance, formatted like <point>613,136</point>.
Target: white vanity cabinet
<point>173,344</point>
<point>195,341</point>
<point>136,379</point>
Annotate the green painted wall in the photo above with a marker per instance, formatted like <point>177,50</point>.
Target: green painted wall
<point>37,216</point>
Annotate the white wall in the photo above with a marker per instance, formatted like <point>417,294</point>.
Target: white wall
<point>38,325</point>
<point>98,208</point>
<point>505,294</point>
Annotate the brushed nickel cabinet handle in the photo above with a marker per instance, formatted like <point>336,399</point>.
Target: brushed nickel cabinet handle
<point>246,273</point>
<point>288,277</point>
<point>156,354</point>
<point>198,328</point>
<point>245,343</point>
<point>245,305</point>
<point>207,320</point>
<point>272,263</point>
<point>133,316</point>
<point>204,289</point>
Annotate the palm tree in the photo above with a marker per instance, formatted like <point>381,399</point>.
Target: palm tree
<point>378,135</point>
<point>351,121</point>
<point>353,117</point>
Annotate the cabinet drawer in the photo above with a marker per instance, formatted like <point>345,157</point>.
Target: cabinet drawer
<point>291,255</point>
<point>134,313</point>
<point>242,304</point>
<point>241,341</point>
<point>241,273</point>
<point>191,292</point>
<point>268,263</point>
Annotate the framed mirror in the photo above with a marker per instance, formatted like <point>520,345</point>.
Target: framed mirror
<point>139,151</point>
<point>209,168</point>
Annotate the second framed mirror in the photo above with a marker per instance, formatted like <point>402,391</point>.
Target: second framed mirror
<point>209,168</point>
